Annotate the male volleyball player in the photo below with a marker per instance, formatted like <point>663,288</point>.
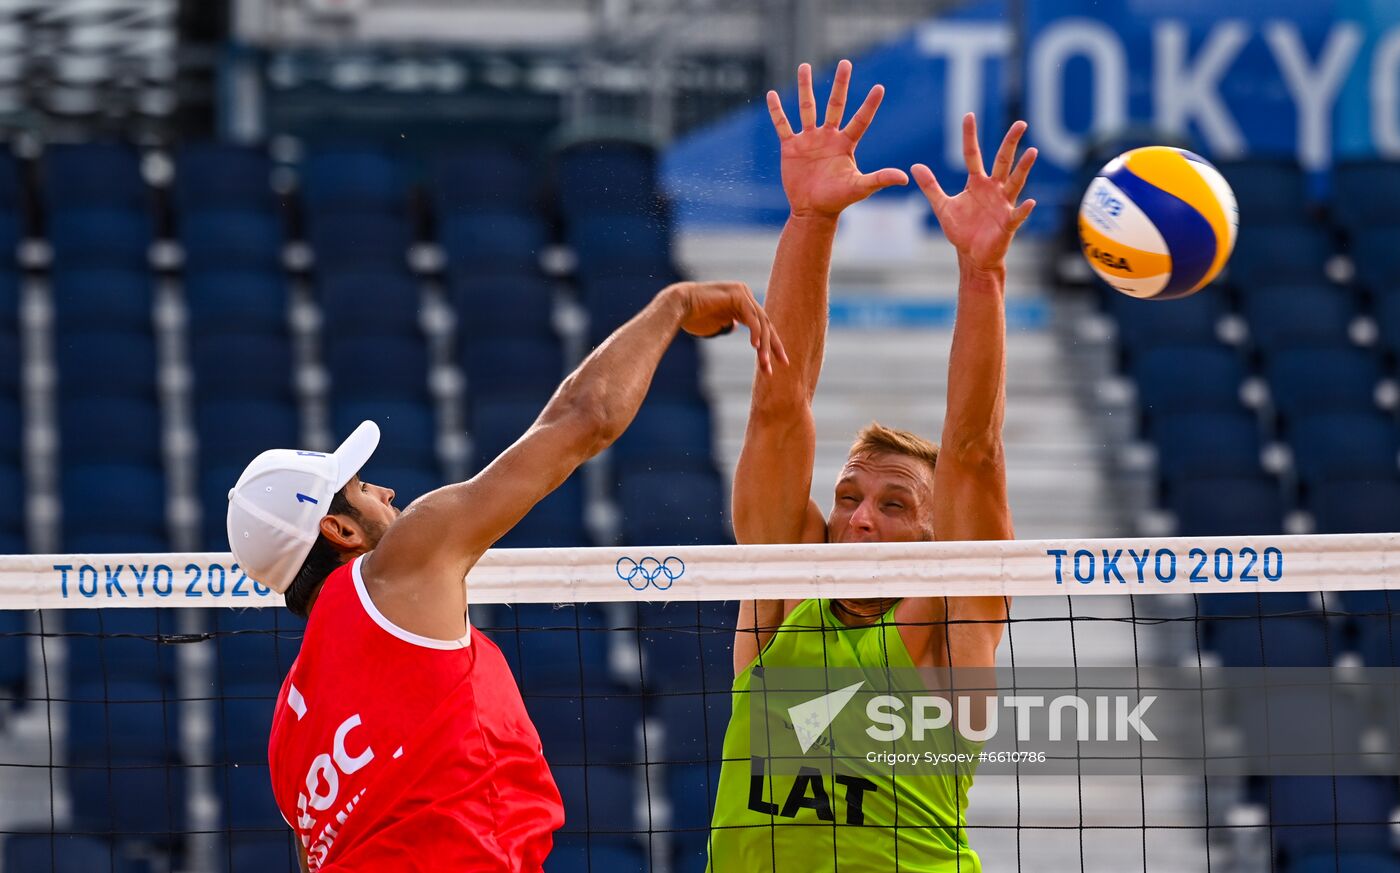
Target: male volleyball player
<point>399,740</point>
<point>895,487</point>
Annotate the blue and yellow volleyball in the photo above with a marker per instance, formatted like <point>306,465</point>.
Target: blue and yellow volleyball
<point>1158,223</point>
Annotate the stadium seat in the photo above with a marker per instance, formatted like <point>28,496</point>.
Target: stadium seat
<point>246,788</point>
<point>607,176</point>
<point>254,648</point>
<point>1270,641</point>
<point>611,301</point>
<point>232,239</point>
<point>237,301</point>
<point>1387,315</point>
<point>1227,506</point>
<point>497,422</point>
<point>687,646</point>
<point>1188,379</point>
<point>102,175</point>
<point>1305,381</point>
<point>555,522</point>
<point>263,851</point>
<point>1359,806</point>
<point>695,724</point>
<point>663,507</point>
<point>580,854</point>
<point>65,853</point>
<point>612,244</point>
<point>11,430</point>
<point>246,367</point>
<point>212,176</point>
<point>494,242</point>
<point>1366,194</point>
<point>10,364</point>
<point>101,238</point>
<point>1268,190</point>
<point>484,176</point>
<point>9,300</point>
<point>516,366</point>
<point>355,240</point>
<point>408,433</point>
<point>600,727</point>
<point>1289,316</point>
<point>14,655</point>
<point>1352,863</point>
<point>1377,259</point>
<point>110,430</point>
<point>556,649</point>
<point>1280,255</point>
<point>108,646</point>
<point>408,482</point>
<point>123,722</point>
<point>1370,617</point>
<point>105,363</point>
<point>233,432</point>
<point>338,180</point>
<point>1345,445</point>
<point>382,368</point>
<point>1357,505</point>
<point>503,306</point>
<point>122,500</point>
<point>678,375</point>
<point>374,303</point>
<point>142,801</point>
<point>1206,444</point>
<point>11,181</point>
<point>665,432</point>
<point>1145,324</point>
<point>692,789</point>
<point>97,299</point>
<point>599,800</point>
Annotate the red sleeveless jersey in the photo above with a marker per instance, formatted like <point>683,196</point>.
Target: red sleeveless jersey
<point>391,751</point>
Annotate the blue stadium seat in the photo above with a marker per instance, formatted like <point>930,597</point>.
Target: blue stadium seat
<point>254,648</point>
<point>516,366</point>
<point>110,430</point>
<point>695,724</point>
<point>483,176</point>
<point>687,646</point>
<point>607,176</point>
<point>1188,379</point>
<point>335,180</point>
<point>678,375</point>
<point>391,368</point>
<point>11,232</point>
<point>233,432</point>
<point>89,175</point>
<point>498,422</point>
<point>1268,190</point>
<point>11,181</point>
<point>65,853</point>
<point>237,301</point>
<point>555,649</point>
<point>1370,862</point>
<point>11,430</point>
<point>1377,259</point>
<point>12,537</point>
<point>14,655</point>
<point>1145,324</point>
<point>140,801</point>
<point>123,500</point>
<point>1371,617</point>
<point>222,176</point>
<point>599,799</point>
<point>1305,381</point>
<point>620,244</point>
<point>612,300</point>
<point>1270,641</point>
<point>1288,316</point>
<point>9,300</point>
<point>1358,806</point>
<point>408,433</point>
<point>504,306</point>
<point>556,522</point>
<point>355,240</point>
<point>580,854</point>
<point>104,363</point>
<point>1206,444</point>
<point>500,242</point>
<point>1366,193</point>
<point>1357,505</point>
<point>408,482</point>
<point>232,239</point>
<point>1387,315</point>
<point>246,790</point>
<point>692,789</point>
<point>107,646</point>
<point>1280,255</point>
<point>665,432</point>
<point>10,363</point>
<point>1227,506</point>
<point>97,299</point>
<point>663,507</point>
<point>96,238</point>
<point>379,302</point>
<point>1345,445</point>
<point>596,728</point>
<point>266,852</point>
<point>246,367</point>
<point>214,484</point>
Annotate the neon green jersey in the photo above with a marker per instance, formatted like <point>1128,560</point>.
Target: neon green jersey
<point>784,822</point>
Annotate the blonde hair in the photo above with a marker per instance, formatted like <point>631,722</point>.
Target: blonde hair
<point>875,437</point>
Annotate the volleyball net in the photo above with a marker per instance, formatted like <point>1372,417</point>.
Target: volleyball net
<point>136,695</point>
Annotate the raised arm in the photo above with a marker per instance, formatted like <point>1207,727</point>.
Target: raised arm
<point>773,481</point>
<point>970,501</point>
<point>415,575</point>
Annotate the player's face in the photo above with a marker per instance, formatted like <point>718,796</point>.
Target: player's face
<point>375,504</point>
<point>882,498</point>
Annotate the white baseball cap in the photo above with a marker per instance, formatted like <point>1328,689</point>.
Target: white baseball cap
<point>275,510</point>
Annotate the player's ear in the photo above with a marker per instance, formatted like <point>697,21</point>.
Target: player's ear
<point>342,532</point>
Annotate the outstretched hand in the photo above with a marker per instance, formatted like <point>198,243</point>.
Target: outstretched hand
<point>714,307</point>
<point>820,176</point>
<point>983,218</point>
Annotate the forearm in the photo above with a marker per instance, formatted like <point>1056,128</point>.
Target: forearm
<point>796,299</point>
<point>976,408</point>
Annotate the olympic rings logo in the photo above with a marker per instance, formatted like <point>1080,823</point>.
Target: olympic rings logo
<point>650,571</point>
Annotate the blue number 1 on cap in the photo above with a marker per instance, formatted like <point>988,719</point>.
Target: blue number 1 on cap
<point>302,498</point>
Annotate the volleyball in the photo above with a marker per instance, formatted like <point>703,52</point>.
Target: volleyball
<point>1158,223</point>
